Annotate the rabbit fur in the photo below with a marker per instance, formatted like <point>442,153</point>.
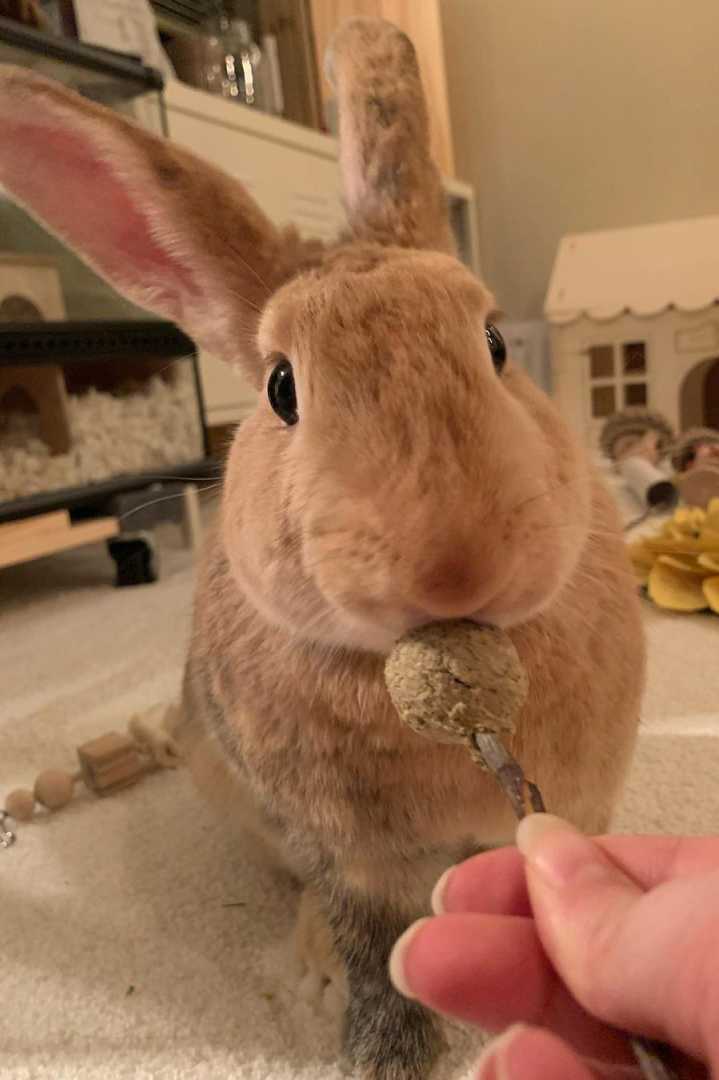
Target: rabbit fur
<point>418,484</point>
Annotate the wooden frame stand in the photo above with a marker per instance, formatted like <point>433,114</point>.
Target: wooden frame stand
<point>45,534</point>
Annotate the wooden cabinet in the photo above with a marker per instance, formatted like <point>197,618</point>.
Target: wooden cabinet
<point>421,21</point>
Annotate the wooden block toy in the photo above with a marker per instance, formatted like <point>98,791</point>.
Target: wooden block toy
<point>110,762</point>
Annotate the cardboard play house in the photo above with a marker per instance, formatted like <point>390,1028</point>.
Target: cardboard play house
<point>634,320</point>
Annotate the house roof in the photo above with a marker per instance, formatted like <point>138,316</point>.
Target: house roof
<point>643,270</point>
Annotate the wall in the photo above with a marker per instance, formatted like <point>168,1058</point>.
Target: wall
<point>579,114</point>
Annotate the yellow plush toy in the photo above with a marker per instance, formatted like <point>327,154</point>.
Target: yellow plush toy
<point>679,565</point>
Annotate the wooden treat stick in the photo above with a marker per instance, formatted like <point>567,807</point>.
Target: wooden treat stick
<point>524,795</point>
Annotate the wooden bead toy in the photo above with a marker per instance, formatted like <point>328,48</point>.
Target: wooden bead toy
<point>107,764</point>
<point>20,804</point>
<point>53,788</point>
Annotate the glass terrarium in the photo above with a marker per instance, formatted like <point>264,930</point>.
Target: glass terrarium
<point>99,401</point>
<point>90,410</point>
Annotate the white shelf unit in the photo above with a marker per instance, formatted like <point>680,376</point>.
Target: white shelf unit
<point>293,173</point>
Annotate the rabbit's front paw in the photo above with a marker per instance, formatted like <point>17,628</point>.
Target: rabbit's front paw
<point>320,969</point>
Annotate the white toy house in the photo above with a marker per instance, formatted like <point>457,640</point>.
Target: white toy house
<point>634,320</point>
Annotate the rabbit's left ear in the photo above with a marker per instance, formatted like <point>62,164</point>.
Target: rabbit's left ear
<point>393,190</point>
<point>169,231</point>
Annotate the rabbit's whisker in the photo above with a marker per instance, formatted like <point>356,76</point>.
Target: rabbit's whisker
<point>241,259</point>
<point>186,479</point>
<point>164,498</point>
<point>540,495</point>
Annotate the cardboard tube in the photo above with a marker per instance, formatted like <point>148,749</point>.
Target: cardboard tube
<point>648,483</point>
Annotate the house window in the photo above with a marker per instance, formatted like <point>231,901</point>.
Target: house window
<point>635,394</point>
<point>601,361</point>
<point>617,377</point>
<point>603,401</point>
<point>635,357</point>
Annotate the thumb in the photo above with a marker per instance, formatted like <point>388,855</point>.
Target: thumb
<point>634,959</point>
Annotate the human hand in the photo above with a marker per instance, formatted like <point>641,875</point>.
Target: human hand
<point>581,937</point>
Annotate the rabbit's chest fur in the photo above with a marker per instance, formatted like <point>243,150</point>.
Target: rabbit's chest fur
<point>315,742</point>
<point>314,737</point>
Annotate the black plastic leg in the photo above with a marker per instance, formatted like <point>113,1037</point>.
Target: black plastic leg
<point>134,559</point>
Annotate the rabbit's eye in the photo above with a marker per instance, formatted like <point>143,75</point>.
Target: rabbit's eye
<point>281,391</point>
<point>496,346</point>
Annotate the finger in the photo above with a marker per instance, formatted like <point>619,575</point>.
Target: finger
<point>492,971</point>
<point>639,960</point>
<point>525,1053</point>
<point>494,882</point>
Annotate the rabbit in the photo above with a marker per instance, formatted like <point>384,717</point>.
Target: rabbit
<point>397,470</point>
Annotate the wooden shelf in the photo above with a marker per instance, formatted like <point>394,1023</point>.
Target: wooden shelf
<point>130,76</point>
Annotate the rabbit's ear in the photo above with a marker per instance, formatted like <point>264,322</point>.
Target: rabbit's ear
<point>169,231</point>
<point>392,188</point>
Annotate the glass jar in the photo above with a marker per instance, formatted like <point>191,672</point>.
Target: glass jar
<point>233,60</point>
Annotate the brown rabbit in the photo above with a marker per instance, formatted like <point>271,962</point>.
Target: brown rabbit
<point>394,472</point>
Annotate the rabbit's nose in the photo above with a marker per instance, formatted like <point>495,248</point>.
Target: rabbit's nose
<point>457,585</point>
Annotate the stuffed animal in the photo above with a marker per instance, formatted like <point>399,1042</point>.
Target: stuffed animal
<point>398,470</point>
<point>636,432</point>
<point>695,456</point>
<point>638,441</point>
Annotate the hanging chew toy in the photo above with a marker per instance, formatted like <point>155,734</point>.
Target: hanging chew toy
<point>107,764</point>
<point>461,682</point>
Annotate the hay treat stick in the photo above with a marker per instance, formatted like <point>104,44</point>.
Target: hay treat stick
<point>461,682</point>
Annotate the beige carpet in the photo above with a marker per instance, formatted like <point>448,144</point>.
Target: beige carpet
<point>120,956</point>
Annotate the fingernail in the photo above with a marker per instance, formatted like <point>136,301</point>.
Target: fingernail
<point>397,967</point>
<point>439,890</point>
<point>494,1063</point>
<point>535,827</point>
<point>556,850</point>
